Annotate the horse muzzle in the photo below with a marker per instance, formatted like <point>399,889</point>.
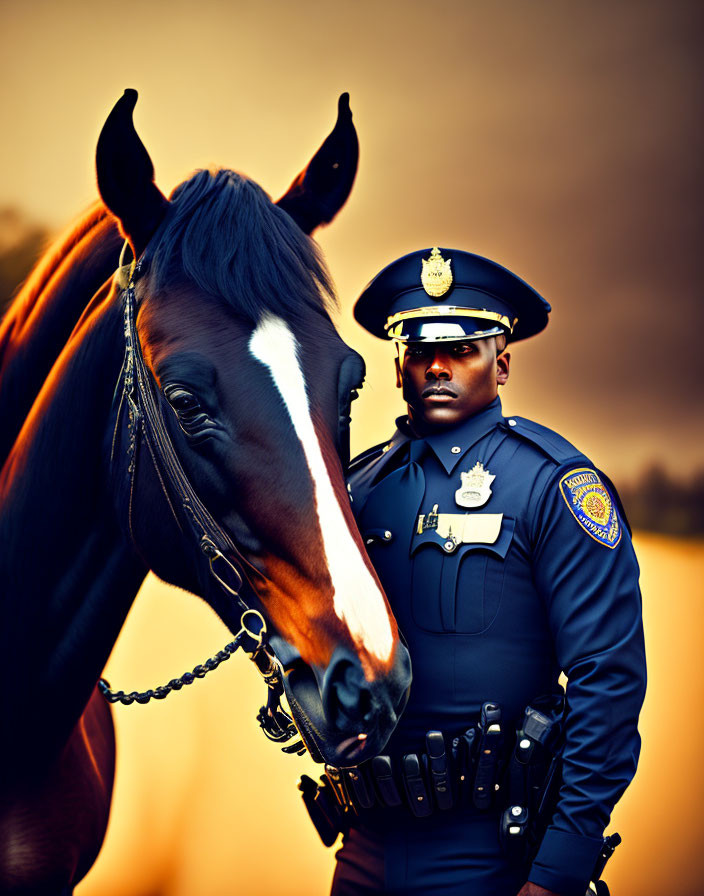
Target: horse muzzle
<point>342,717</point>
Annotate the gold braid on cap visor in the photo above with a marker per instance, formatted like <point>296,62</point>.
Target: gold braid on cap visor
<point>394,324</point>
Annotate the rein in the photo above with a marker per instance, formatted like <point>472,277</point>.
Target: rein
<point>145,421</point>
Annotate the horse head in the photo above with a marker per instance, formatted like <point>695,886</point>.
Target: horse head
<point>229,481</point>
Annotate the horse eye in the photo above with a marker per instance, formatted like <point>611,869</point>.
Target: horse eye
<point>181,400</point>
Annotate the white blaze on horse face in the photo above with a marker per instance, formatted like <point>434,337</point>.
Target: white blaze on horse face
<point>358,601</point>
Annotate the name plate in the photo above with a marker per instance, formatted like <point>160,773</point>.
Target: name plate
<point>462,528</point>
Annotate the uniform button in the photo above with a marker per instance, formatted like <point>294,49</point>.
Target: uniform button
<point>449,545</point>
<point>385,449</point>
<point>511,422</point>
<point>524,744</point>
<point>455,449</point>
<point>516,810</point>
<point>387,535</point>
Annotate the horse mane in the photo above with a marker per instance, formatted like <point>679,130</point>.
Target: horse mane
<point>38,323</point>
<point>72,241</point>
<point>224,234</point>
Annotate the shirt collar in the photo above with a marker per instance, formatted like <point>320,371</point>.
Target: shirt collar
<point>460,437</point>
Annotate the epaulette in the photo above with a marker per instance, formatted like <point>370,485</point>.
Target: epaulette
<point>366,456</point>
<point>559,449</point>
<point>546,440</point>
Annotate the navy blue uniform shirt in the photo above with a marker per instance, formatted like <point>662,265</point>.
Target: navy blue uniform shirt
<point>496,601</point>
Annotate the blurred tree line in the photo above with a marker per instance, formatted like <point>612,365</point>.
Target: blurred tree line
<point>654,502</point>
<point>658,502</point>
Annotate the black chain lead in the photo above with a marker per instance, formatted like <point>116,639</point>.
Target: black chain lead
<point>175,684</point>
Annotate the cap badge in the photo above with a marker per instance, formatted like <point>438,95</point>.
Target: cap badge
<point>475,490</point>
<point>436,275</point>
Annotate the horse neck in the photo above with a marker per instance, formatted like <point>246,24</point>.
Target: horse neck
<point>68,576</point>
<point>40,320</point>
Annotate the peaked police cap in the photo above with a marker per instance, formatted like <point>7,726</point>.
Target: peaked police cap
<point>444,294</point>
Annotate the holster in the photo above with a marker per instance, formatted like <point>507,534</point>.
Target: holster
<point>323,808</point>
<point>598,886</point>
<point>532,778</point>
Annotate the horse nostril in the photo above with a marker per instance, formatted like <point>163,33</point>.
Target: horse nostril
<point>366,705</point>
<point>347,697</point>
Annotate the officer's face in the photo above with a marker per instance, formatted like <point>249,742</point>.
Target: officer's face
<point>444,383</point>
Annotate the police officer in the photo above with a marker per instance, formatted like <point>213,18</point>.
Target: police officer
<point>507,559</point>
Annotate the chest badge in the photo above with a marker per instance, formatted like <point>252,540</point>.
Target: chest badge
<point>475,490</point>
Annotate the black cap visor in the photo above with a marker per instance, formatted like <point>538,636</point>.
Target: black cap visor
<point>445,328</point>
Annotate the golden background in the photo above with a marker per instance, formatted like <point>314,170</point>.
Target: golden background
<point>562,139</point>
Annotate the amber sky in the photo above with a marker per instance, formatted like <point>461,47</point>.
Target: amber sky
<point>562,139</point>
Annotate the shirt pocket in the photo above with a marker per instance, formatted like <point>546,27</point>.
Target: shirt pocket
<point>458,590</point>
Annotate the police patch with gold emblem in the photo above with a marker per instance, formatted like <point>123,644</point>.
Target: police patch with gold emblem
<point>591,505</point>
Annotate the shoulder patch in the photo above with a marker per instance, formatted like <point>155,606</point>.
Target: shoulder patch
<point>591,505</point>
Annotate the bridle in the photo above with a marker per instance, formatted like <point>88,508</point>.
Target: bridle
<point>145,423</point>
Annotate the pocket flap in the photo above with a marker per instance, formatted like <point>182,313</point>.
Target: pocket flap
<point>377,536</point>
<point>469,531</point>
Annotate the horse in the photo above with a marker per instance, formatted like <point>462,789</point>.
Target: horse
<point>189,416</point>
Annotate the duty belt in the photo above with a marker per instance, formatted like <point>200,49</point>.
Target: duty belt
<point>450,772</point>
<point>465,770</point>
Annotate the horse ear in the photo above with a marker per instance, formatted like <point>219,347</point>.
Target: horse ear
<point>321,189</point>
<point>126,176</point>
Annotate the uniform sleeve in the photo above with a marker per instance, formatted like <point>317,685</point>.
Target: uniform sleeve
<point>586,571</point>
